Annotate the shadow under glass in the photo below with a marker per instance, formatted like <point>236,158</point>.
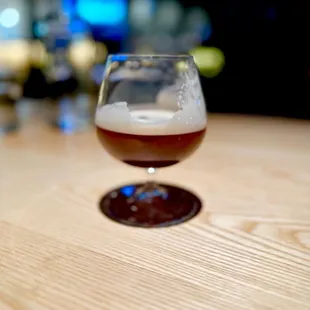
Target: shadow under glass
<point>167,206</point>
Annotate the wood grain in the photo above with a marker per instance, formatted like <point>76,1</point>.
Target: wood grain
<point>248,249</point>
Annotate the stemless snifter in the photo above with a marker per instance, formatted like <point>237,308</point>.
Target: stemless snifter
<point>151,114</point>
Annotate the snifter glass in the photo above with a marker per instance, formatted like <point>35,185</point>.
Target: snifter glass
<point>151,114</point>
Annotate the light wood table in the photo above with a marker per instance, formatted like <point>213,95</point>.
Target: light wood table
<point>248,249</point>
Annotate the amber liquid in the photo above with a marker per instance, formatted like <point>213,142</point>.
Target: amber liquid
<point>146,151</point>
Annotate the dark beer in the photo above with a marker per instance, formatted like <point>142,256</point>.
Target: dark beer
<point>150,150</point>
<point>153,145</point>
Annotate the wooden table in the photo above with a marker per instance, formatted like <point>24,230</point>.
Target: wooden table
<point>248,249</point>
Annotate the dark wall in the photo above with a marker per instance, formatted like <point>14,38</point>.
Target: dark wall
<point>267,57</point>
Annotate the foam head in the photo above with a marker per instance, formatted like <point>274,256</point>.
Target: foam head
<point>150,121</point>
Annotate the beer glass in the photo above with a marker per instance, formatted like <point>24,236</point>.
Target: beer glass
<point>151,114</point>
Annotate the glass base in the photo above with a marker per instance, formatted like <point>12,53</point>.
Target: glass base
<point>150,205</point>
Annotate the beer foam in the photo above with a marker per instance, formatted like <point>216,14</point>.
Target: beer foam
<point>117,117</point>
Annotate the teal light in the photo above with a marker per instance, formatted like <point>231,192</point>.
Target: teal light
<point>102,12</point>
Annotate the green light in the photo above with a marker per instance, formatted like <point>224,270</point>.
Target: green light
<point>209,60</point>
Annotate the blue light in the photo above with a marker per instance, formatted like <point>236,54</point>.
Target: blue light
<point>128,190</point>
<point>9,18</point>
<point>78,26</point>
<point>41,29</point>
<point>119,57</point>
<point>102,12</point>
<point>68,7</point>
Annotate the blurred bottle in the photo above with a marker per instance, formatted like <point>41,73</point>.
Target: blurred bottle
<point>69,107</point>
<point>35,87</point>
<point>9,93</point>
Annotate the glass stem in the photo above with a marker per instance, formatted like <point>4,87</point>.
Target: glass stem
<point>150,183</point>
<point>150,190</point>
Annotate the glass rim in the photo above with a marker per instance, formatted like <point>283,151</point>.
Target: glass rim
<point>126,56</point>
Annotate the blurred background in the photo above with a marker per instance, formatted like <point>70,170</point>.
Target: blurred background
<point>253,56</point>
